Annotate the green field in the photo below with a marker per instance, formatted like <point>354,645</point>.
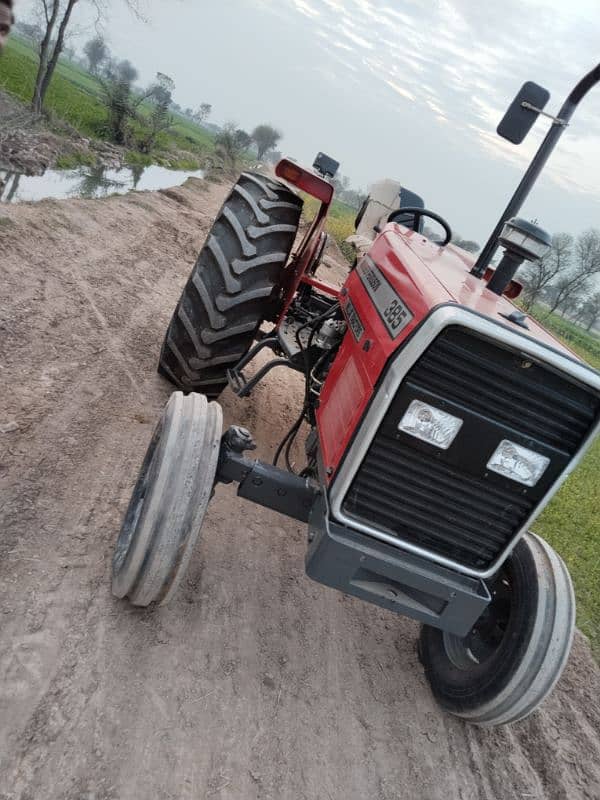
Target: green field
<point>74,96</point>
<point>571,523</point>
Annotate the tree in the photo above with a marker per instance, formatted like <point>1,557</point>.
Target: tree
<point>96,52</point>
<point>466,244</point>
<point>54,13</point>
<point>202,114</point>
<point>161,94</point>
<point>30,31</point>
<point>589,313</point>
<point>55,16</point>
<point>341,184</point>
<point>266,138</point>
<point>576,280</point>
<point>273,156</point>
<point>230,143</point>
<point>118,97</point>
<point>538,276</point>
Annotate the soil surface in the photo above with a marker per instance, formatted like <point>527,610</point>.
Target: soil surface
<point>29,146</point>
<point>255,682</point>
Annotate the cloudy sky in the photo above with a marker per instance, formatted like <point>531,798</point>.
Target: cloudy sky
<point>411,89</point>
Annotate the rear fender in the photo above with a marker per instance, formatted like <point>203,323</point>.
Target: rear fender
<point>298,267</point>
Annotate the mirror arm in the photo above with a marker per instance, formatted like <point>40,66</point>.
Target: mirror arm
<point>537,164</point>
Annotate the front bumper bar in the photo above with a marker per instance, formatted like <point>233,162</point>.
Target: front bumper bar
<point>379,573</point>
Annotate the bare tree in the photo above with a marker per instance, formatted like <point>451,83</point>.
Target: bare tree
<point>265,137</point>
<point>575,282</point>
<point>55,18</point>
<point>540,275</point>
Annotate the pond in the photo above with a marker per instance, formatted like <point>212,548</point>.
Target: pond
<point>88,182</point>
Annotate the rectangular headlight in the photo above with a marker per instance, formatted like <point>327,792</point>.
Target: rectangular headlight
<point>518,463</point>
<point>430,424</point>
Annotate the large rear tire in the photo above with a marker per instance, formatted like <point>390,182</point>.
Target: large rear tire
<point>234,285</point>
<point>511,660</point>
<point>169,501</point>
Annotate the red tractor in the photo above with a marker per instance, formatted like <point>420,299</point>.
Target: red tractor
<point>442,420</point>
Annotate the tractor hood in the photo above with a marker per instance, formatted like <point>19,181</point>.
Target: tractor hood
<point>450,267</point>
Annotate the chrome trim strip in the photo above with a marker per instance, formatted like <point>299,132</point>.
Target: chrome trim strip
<point>431,327</point>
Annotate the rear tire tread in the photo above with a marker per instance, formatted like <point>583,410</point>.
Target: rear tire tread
<point>233,286</point>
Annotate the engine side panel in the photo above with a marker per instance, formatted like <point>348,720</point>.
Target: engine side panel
<point>358,364</point>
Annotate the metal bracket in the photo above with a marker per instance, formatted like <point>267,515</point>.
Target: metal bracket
<point>236,379</point>
<point>263,483</point>
<point>555,120</point>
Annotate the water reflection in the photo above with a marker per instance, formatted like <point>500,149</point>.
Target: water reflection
<point>88,182</point>
<point>95,182</point>
<point>9,185</point>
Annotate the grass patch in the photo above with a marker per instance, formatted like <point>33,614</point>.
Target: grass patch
<point>340,222</point>
<point>585,344</point>
<point>74,160</point>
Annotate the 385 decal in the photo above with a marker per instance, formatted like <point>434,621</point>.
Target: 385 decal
<point>393,311</point>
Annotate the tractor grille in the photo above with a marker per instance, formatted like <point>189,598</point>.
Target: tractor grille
<point>448,502</point>
<point>479,375</point>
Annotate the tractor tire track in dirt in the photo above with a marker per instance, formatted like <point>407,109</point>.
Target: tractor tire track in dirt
<point>255,682</point>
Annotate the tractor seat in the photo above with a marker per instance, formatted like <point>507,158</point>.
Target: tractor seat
<point>410,199</point>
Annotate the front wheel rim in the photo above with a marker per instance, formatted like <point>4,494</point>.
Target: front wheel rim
<point>487,636</point>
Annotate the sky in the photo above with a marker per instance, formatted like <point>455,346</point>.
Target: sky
<point>407,89</point>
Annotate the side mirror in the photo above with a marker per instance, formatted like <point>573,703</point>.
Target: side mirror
<point>523,112</point>
<point>325,165</point>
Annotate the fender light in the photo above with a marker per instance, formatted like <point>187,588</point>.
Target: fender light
<point>305,181</point>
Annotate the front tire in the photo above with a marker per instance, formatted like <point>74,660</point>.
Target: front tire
<point>234,285</point>
<point>168,502</point>
<point>514,655</point>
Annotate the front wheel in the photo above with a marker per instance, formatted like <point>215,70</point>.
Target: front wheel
<point>169,501</point>
<point>515,653</point>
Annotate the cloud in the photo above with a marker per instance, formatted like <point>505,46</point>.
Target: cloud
<point>355,38</point>
<point>306,9</point>
<point>459,63</point>
<point>400,90</point>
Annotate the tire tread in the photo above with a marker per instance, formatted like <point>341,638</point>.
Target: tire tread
<point>232,288</point>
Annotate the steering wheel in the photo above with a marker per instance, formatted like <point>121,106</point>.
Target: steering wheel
<point>423,212</point>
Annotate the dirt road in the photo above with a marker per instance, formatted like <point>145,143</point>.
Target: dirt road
<point>255,682</point>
